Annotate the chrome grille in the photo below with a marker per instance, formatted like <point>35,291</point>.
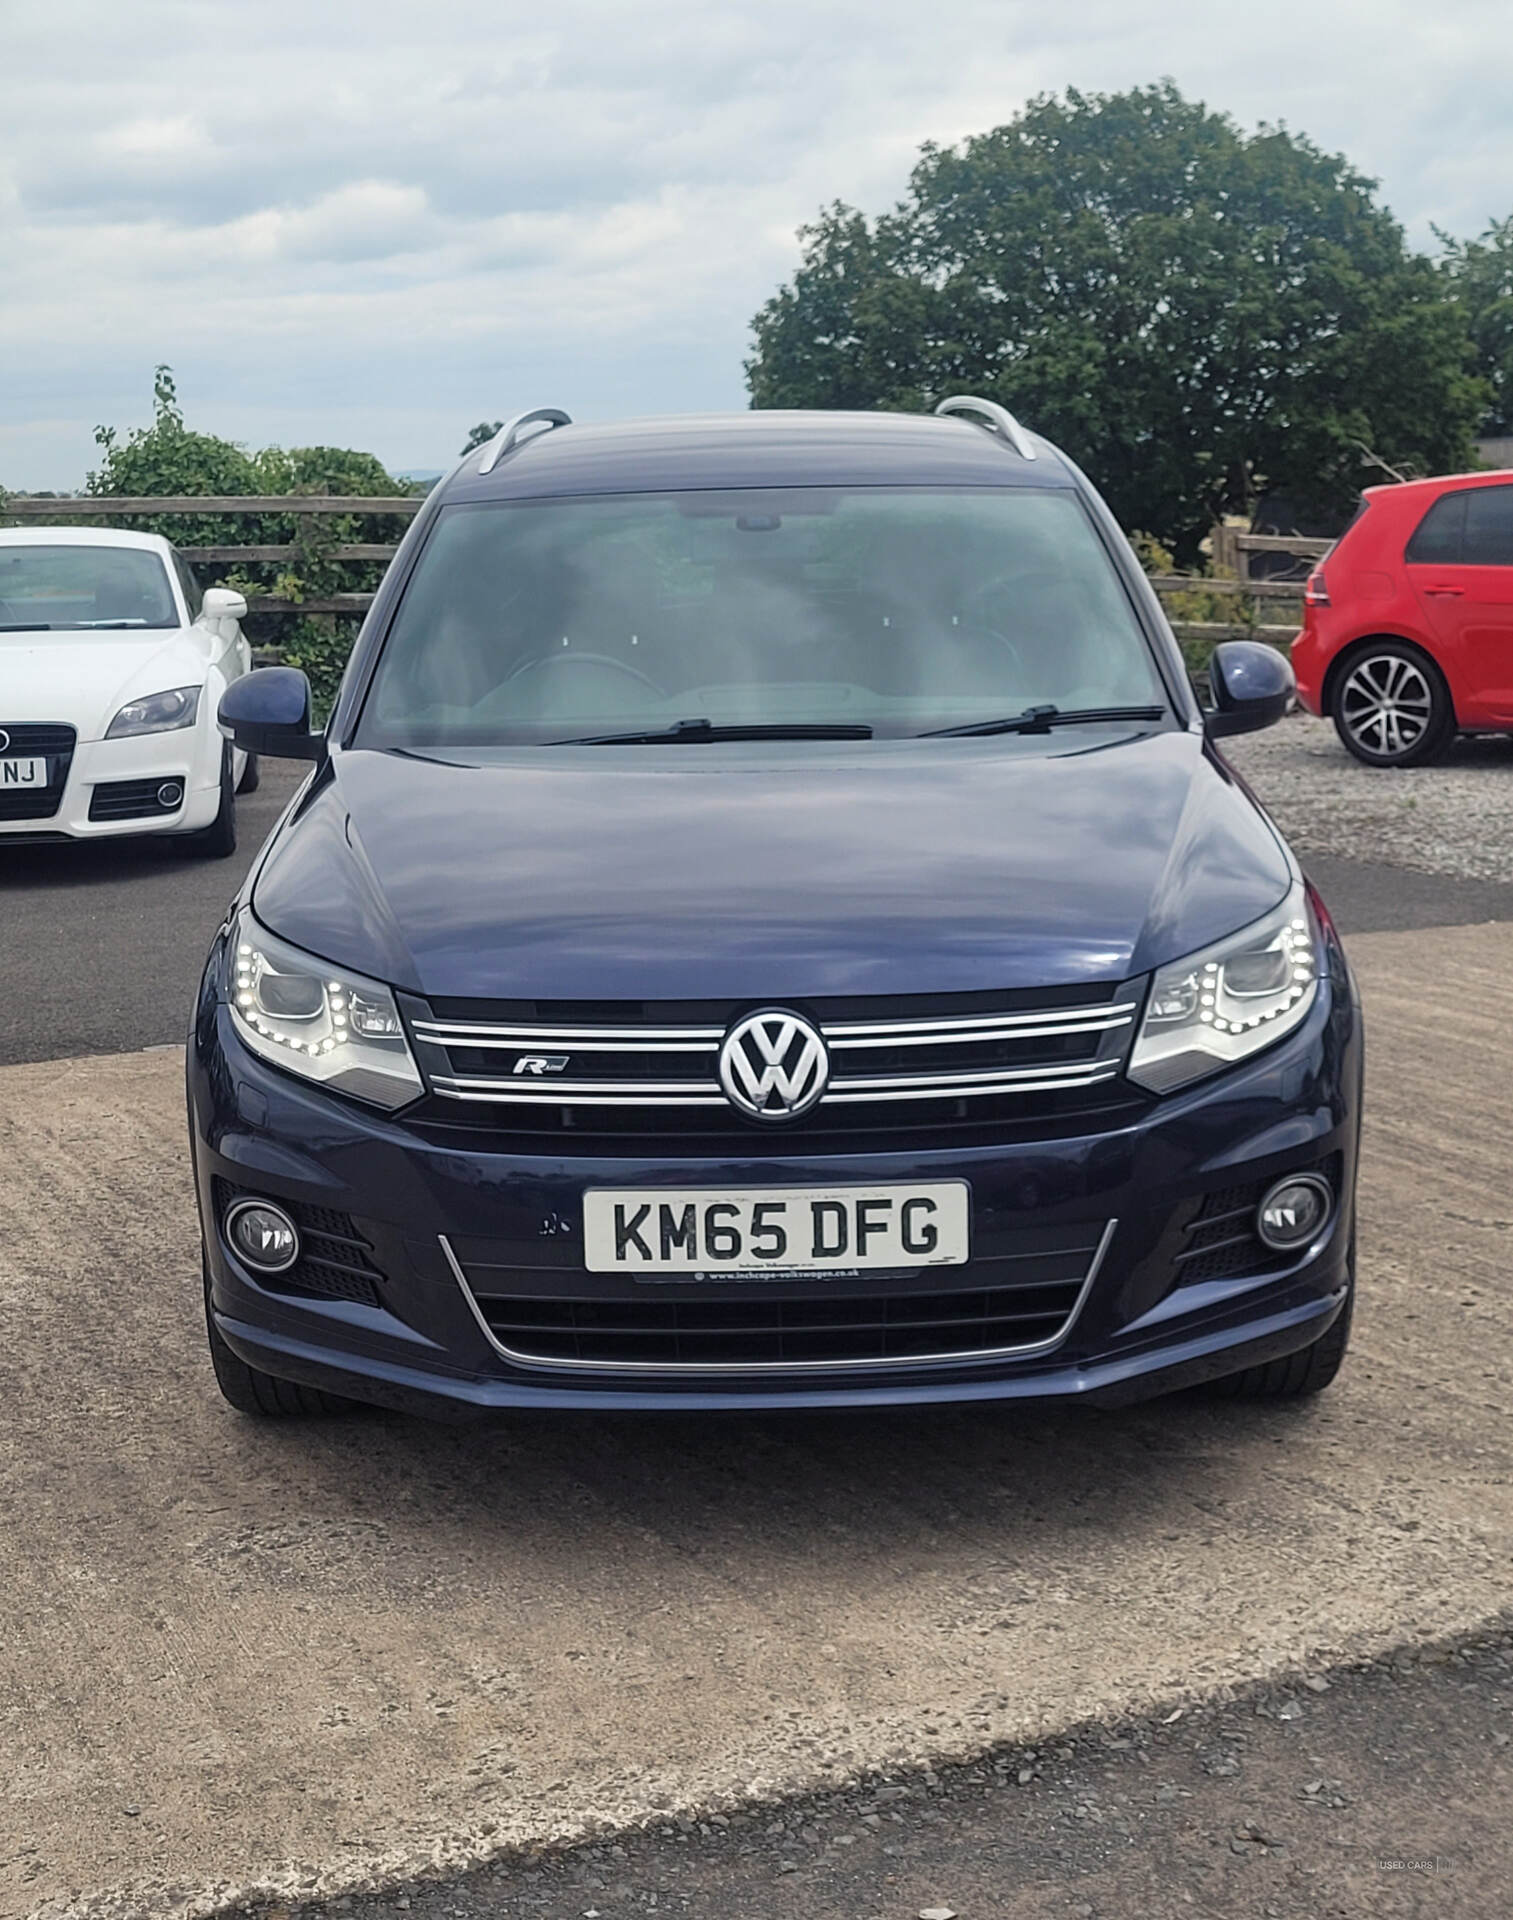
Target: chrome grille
<point>875,1062</point>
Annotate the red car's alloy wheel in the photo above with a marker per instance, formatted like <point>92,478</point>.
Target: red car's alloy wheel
<point>1390,708</point>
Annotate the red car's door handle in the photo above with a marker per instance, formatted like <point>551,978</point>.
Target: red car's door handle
<point>1445,593</point>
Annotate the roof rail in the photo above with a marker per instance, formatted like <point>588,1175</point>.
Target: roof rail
<point>999,420</point>
<point>509,434</point>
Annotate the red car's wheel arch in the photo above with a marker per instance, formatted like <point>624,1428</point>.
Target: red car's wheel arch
<point>1352,649</point>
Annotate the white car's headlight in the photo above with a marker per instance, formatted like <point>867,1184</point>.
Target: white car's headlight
<point>156,713</point>
<point>318,1020</point>
<point>1230,1000</point>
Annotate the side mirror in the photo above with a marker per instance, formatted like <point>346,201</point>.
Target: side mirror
<point>1253,687</point>
<point>220,603</point>
<point>269,712</point>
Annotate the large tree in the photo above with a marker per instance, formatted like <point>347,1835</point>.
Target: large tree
<point>1480,276</point>
<point>1193,312</point>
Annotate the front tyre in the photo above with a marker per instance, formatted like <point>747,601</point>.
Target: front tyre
<point>218,840</point>
<point>1391,707</point>
<point>252,775</point>
<point>250,1390</point>
<point>1296,1375</point>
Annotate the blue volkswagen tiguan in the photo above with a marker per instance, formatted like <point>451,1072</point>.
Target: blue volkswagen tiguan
<point>768,925</point>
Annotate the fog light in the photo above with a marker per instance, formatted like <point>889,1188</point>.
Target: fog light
<point>263,1235</point>
<point>1294,1211</point>
<point>170,793</point>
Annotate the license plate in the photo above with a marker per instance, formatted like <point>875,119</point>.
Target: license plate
<point>22,773</point>
<point>805,1232</point>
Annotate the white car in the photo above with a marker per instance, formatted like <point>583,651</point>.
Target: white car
<point>110,676</point>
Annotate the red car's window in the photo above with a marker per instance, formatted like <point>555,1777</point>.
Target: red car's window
<point>1489,527</point>
<point>1472,527</point>
<point>1441,533</point>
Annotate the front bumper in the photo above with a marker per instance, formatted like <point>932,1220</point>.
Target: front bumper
<point>190,756</point>
<point>1146,1324</point>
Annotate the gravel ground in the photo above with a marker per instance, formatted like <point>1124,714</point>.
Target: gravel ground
<point>1449,818</point>
<point>1379,1788</point>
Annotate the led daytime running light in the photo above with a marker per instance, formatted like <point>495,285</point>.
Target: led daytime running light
<point>345,1032</point>
<point>1229,1001</point>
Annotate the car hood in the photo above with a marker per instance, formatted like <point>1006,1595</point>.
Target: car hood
<point>82,680</point>
<point>724,873</point>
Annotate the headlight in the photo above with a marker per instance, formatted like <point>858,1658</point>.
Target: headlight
<point>319,1021</point>
<point>1229,1001</point>
<point>156,713</point>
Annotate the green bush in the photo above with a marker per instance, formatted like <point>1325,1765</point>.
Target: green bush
<point>169,458</point>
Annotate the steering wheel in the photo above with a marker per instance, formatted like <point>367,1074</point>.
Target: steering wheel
<point>568,659</point>
<point>991,609</point>
<point>977,635</point>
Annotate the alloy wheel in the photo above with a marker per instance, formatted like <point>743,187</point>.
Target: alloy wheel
<point>1386,705</point>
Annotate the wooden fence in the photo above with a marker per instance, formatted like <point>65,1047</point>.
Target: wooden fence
<point>78,510</point>
<point>1233,552</point>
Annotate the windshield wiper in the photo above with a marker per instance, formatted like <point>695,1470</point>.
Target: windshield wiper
<point>699,730</point>
<point>72,626</point>
<point>1042,719</point>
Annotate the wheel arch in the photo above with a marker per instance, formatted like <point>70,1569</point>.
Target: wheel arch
<point>1341,663</point>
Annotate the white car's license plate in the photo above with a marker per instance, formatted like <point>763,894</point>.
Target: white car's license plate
<point>712,1233</point>
<point>22,773</point>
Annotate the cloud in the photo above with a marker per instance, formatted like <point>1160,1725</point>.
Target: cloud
<point>368,220</point>
<point>376,223</point>
<point>162,144</point>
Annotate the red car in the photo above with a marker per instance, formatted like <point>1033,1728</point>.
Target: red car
<point>1408,623</point>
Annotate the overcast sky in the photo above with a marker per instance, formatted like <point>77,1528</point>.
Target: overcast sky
<point>372,225</point>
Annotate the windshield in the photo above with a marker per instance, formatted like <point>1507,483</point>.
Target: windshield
<point>72,589</point>
<point>899,612</point>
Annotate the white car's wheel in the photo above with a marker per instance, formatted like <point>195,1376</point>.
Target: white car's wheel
<point>218,840</point>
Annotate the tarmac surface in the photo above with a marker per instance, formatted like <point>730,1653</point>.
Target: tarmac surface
<point>276,1666</point>
<point>1376,1790</point>
<point>104,941</point>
